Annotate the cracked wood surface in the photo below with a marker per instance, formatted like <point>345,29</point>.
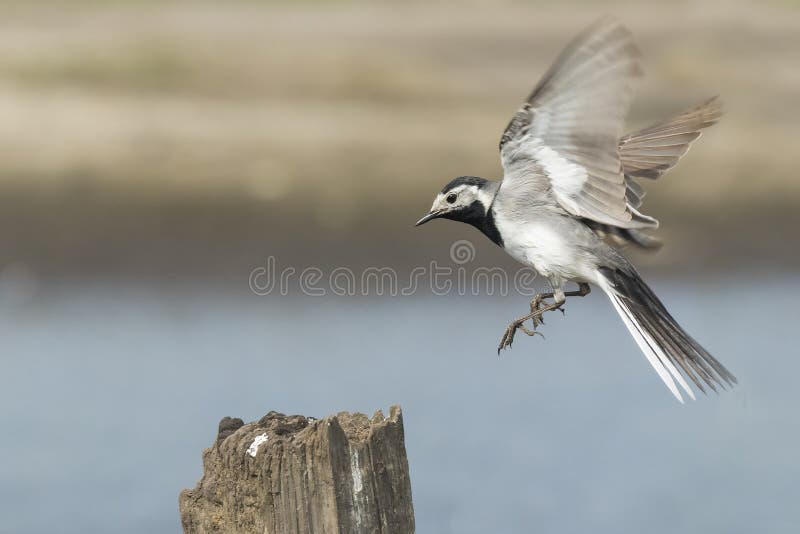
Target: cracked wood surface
<point>345,473</point>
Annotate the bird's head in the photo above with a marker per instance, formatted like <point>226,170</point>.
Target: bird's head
<point>465,199</point>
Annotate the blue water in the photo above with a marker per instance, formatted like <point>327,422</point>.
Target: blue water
<point>110,394</point>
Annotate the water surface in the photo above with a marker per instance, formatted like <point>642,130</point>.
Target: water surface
<point>110,394</point>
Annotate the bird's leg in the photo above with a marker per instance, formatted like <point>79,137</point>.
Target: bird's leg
<point>583,290</point>
<point>537,310</point>
<point>536,304</point>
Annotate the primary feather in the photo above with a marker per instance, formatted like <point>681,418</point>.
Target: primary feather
<point>652,151</point>
<point>565,137</point>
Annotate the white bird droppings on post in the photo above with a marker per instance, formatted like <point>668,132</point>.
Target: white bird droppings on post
<point>252,450</point>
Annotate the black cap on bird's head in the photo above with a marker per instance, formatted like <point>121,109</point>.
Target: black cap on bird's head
<point>463,200</point>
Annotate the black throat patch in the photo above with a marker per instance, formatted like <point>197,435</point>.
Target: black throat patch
<point>475,215</point>
<point>489,228</point>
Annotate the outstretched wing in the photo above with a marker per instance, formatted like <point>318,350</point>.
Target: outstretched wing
<point>564,139</point>
<point>654,150</point>
<point>649,153</point>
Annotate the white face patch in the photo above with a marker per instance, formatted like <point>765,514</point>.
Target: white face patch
<point>485,197</point>
<point>465,195</point>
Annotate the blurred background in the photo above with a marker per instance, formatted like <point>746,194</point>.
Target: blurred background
<point>152,154</point>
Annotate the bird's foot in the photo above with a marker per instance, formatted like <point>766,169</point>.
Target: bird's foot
<point>538,309</point>
<point>519,324</point>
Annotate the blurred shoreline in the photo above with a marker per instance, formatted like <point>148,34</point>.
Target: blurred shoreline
<point>90,232</point>
<point>150,142</point>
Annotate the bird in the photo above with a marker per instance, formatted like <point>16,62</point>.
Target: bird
<point>568,202</point>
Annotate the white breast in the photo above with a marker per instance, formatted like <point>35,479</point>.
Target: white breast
<point>538,243</point>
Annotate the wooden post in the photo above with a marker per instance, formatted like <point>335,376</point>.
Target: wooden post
<point>345,473</point>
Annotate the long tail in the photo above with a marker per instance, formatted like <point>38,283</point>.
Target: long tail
<point>666,345</point>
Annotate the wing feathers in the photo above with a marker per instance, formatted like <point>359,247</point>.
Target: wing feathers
<point>652,151</point>
<point>634,192</point>
<point>565,138</point>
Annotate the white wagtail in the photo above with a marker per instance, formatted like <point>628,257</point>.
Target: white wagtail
<point>569,196</point>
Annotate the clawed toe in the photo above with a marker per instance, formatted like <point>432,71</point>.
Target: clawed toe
<point>507,339</point>
<point>508,336</point>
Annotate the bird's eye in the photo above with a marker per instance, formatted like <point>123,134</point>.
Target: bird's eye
<point>451,198</point>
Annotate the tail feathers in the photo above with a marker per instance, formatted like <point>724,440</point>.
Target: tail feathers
<point>664,343</point>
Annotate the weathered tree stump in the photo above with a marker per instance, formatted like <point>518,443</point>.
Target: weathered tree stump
<point>292,474</point>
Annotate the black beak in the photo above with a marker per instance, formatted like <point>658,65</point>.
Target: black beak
<point>429,217</point>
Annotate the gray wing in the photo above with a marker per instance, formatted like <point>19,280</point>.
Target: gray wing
<point>649,153</point>
<point>652,151</point>
<point>564,139</point>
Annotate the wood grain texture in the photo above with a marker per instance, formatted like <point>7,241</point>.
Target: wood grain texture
<point>345,473</point>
